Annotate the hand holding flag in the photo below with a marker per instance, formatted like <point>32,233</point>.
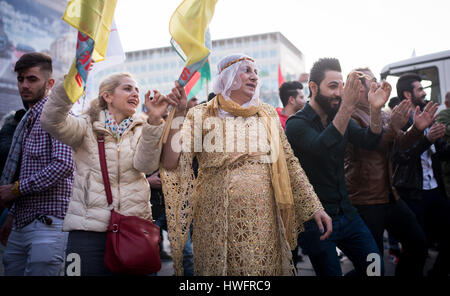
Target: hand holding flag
<point>93,19</point>
<point>188,26</point>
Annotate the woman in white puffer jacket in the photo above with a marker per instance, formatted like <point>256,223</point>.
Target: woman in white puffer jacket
<point>131,145</point>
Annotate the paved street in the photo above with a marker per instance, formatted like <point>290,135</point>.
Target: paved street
<point>304,268</point>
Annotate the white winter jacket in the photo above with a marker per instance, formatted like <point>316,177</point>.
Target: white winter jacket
<point>128,160</point>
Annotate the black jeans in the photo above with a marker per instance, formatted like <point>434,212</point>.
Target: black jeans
<point>401,222</point>
<point>433,214</point>
<point>90,246</point>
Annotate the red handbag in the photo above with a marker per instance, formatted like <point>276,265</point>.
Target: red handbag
<point>132,243</point>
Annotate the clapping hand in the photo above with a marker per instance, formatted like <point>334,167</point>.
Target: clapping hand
<point>436,131</point>
<point>401,114</point>
<point>351,91</point>
<point>423,119</point>
<point>379,96</point>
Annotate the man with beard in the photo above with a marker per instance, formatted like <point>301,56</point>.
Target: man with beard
<point>418,178</point>
<point>319,134</point>
<point>369,179</point>
<point>36,181</point>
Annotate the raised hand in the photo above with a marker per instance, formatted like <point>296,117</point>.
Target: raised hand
<point>156,108</point>
<point>352,88</point>
<point>401,114</point>
<point>379,96</point>
<point>436,131</point>
<point>423,119</point>
<point>178,95</point>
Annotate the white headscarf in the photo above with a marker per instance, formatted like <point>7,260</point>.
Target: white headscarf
<point>228,79</point>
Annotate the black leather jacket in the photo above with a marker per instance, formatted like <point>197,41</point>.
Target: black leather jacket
<point>407,167</point>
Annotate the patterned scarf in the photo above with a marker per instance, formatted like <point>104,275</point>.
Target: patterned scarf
<point>116,129</point>
<point>12,162</point>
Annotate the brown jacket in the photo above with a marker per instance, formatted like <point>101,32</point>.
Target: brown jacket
<point>368,173</point>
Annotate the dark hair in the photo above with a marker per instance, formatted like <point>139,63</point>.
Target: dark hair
<point>33,59</point>
<point>211,96</point>
<point>394,101</point>
<point>317,73</point>
<point>447,95</point>
<point>363,69</point>
<point>289,89</point>
<point>405,82</point>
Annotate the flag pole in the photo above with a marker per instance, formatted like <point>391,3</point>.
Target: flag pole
<point>207,90</point>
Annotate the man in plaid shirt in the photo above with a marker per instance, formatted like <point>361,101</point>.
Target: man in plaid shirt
<point>35,244</point>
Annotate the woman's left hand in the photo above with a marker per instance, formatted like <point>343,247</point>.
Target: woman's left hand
<point>156,107</point>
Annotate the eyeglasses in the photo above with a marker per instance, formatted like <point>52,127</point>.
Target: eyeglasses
<point>363,75</point>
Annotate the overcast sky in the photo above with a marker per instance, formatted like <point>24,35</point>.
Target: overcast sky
<point>357,32</point>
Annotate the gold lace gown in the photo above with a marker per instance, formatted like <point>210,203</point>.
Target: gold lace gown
<point>237,228</point>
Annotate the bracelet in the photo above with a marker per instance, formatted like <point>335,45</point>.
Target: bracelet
<point>16,188</point>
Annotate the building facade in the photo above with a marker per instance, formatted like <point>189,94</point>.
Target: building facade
<point>27,26</point>
<point>158,68</point>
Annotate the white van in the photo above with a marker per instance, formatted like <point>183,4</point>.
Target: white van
<point>433,68</point>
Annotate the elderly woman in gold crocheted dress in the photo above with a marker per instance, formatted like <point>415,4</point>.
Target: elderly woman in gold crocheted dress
<point>251,196</point>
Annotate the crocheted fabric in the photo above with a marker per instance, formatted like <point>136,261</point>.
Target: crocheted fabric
<point>237,228</point>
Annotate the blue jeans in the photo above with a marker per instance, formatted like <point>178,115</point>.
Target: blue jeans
<point>351,236</point>
<point>36,249</point>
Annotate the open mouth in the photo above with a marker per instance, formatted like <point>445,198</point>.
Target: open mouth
<point>252,85</point>
<point>133,102</point>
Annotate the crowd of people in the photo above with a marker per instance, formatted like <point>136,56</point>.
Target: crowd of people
<point>238,184</point>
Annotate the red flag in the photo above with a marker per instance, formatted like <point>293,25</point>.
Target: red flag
<point>280,76</point>
<point>192,82</point>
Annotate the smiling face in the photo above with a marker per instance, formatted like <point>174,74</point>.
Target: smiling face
<point>418,95</point>
<point>328,94</point>
<point>124,100</point>
<point>248,75</point>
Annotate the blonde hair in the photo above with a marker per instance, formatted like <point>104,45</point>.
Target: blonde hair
<point>109,84</point>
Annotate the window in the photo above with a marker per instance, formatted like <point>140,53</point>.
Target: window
<point>430,82</point>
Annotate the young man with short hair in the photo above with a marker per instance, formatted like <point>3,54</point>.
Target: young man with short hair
<point>36,181</point>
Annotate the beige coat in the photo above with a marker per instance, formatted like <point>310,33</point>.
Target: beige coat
<point>128,160</point>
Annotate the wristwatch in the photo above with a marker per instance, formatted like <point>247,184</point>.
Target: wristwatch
<point>15,188</point>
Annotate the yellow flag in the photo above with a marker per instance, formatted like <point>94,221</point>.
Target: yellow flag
<point>188,26</point>
<point>92,19</point>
